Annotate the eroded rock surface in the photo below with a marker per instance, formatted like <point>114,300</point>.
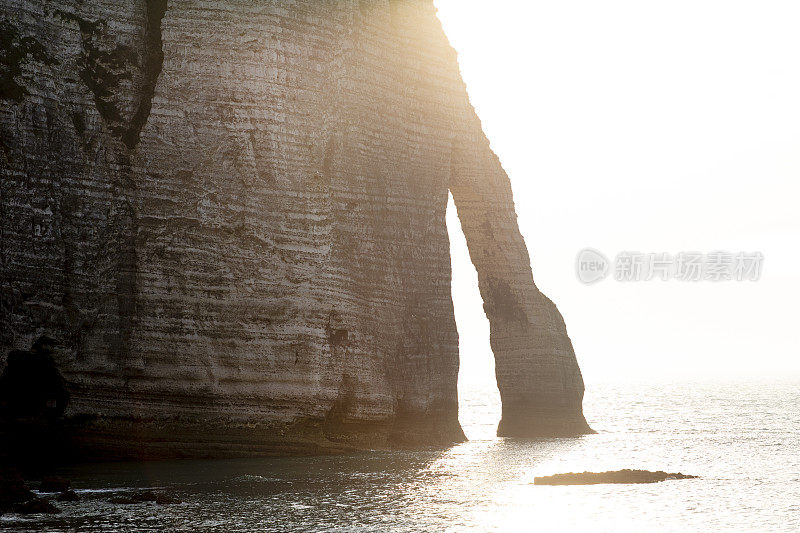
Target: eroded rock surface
<point>231,217</point>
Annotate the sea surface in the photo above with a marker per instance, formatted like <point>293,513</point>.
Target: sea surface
<point>742,438</point>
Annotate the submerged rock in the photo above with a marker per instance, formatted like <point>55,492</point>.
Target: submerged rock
<point>140,497</point>
<point>614,476</point>
<point>68,496</point>
<point>143,497</point>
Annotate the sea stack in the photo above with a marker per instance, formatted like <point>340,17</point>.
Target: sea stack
<point>230,220</point>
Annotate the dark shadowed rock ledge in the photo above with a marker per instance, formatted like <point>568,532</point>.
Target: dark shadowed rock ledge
<point>17,498</point>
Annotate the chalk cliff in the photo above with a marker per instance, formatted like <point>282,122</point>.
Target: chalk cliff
<point>230,218</point>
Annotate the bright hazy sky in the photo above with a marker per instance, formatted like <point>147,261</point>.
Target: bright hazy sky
<point>651,127</point>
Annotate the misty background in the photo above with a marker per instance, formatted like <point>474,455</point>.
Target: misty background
<point>648,127</point>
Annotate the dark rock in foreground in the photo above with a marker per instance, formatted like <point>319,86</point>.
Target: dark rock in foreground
<point>36,506</point>
<point>31,386</point>
<point>615,476</point>
<point>12,488</point>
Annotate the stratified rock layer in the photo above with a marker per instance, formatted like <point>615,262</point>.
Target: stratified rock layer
<point>231,217</point>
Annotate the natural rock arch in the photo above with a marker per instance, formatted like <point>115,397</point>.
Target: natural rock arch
<point>261,264</point>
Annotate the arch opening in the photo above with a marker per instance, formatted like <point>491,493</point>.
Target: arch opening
<point>479,408</point>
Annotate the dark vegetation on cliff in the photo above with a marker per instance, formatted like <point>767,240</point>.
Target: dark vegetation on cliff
<point>16,50</point>
<point>105,65</point>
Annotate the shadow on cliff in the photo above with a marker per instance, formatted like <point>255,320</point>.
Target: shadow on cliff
<point>33,398</point>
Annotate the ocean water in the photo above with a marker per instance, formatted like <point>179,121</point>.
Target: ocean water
<point>742,438</point>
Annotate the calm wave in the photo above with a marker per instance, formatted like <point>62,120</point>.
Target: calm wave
<point>742,438</point>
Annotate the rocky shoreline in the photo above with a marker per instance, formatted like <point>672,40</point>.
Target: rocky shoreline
<point>17,497</point>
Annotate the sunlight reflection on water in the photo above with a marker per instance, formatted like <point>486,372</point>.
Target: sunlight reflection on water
<point>743,439</point>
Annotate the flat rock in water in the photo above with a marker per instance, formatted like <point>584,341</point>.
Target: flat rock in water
<point>615,476</point>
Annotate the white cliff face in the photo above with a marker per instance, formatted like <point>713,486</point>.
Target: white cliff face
<point>231,218</point>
